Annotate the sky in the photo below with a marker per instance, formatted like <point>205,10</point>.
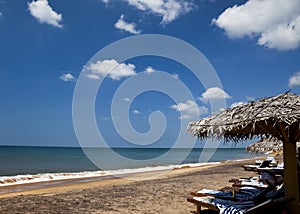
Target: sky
<point>49,47</point>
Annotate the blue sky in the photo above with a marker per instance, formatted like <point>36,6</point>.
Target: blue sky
<point>45,45</point>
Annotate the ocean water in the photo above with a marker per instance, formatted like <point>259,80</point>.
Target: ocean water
<point>34,164</point>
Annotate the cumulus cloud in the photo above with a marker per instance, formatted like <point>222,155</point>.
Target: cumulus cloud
<point>129,27</point>
<point>93,76</point>
<point>110,68</point>
<point>248,98</point>
<point>136,111</point>
<point>43,12</point>
<point>282,37</point>
<point>294,81</point>
<point>169,10</point>
<point>68,77</point>
<point>213,93</point>
<point>236,104</point>
<point>126,99</point>
<point>149,70</point>
<point>276,23</point>
<point>189,109</point>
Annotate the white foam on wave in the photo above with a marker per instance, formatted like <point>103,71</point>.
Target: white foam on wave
<point>46,177</point>
<point>25,179</point>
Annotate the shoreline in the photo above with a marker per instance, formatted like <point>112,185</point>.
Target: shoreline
<point>144,173</point>
<point>164,194</point>
<point>73,183</point>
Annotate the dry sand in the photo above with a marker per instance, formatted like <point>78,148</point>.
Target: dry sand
<point>166,194</point>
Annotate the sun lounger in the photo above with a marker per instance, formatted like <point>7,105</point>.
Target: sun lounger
<point>273,161</point>
<point>269,158</point>
<point>275,170</point>
<point>232,207</point>
<point>219,204</point>
<point>244,179</point>
<point>261,182</point>
<point>251,182</point>
<point>245,197</point>
<point>254,167</point>
<point>250,167</point>
<point>246,183</point>
<point>242,194</point>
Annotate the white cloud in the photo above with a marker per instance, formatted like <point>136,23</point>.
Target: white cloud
<point>168,9</point>
<point>275,22</point>
<point>189,109</point>
<point>149,70</point>
<point>294,81</point>
<point>110,68</point>
<point>1,15</point>
<point>105,1</point>
<point>236,104</point>
<point>42,11</point>
<point>136,111</point>
<point>126,99</point>
<point>213,93</point>
<point>68,77</point>
<point>129,27</point>
<point>282,37</point>
<point>93,76</point>
<point>250,98</point>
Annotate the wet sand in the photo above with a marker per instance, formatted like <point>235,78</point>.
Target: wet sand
<point>148,194</point>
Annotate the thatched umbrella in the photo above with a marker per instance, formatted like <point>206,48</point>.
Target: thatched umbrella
<point>277,116</point>
<point>266,145</point>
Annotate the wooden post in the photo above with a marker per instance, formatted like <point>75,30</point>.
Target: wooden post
<point>291,176</point>
<point>198,209</point>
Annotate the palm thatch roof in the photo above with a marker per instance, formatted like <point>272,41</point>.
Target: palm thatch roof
<point>267,145</point>
<point>277,116</point>
<point>262,118</point>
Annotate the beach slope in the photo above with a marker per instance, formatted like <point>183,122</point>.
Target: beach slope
<point>166,194</point>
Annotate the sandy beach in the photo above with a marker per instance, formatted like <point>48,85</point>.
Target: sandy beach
<point>164,194</point>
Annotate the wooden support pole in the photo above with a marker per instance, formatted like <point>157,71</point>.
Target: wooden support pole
<point>291,176</point>
<point>198,209</point>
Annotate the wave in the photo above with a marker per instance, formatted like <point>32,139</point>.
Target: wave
<point>47,177</point>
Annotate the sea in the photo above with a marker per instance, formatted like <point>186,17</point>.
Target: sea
<point>29,164</point>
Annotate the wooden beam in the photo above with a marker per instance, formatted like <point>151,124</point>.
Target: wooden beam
<point>270,129</point>
<point>283,132</point>
<point>266,128</point>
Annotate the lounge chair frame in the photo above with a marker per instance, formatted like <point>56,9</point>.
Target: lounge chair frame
<point>260,208</point>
